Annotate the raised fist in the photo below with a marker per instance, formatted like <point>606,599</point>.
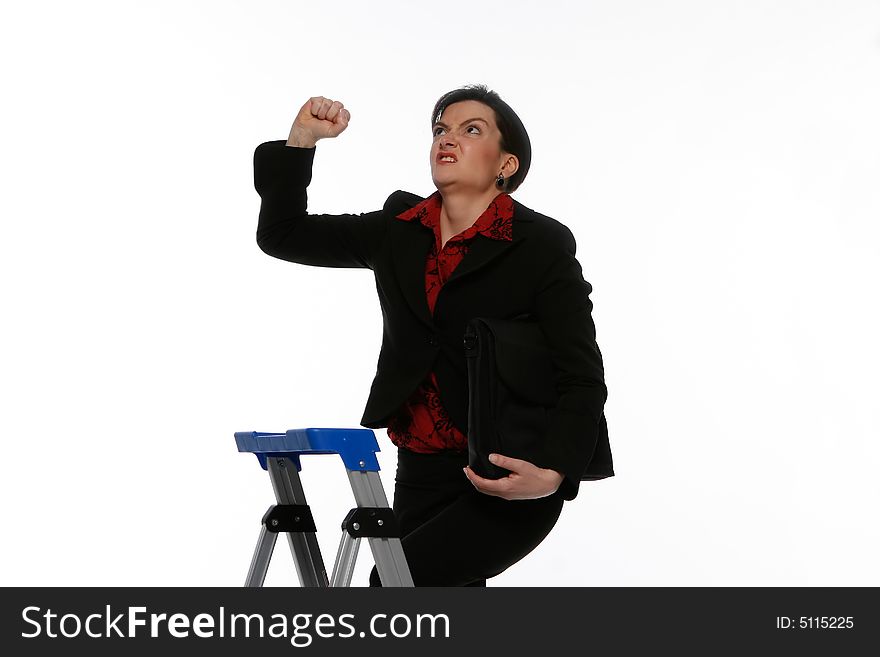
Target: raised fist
<point>318,118</point>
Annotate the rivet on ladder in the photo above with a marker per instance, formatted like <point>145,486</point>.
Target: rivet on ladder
<point>356,526</point>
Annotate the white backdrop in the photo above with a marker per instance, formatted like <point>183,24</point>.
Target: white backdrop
<point>717,162</point>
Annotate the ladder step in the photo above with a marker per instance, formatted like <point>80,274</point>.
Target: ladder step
<point>357,447</point>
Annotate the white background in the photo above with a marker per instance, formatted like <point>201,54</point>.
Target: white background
<point>717,162</point>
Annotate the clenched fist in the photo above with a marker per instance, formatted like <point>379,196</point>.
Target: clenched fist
<point>318,118</point>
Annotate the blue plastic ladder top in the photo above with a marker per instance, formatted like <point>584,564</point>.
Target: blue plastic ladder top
<point>357,447</point>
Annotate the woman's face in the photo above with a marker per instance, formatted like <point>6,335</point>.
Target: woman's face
<point>467,131</point>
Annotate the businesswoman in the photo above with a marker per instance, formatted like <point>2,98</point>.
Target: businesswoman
<point>467,250</point>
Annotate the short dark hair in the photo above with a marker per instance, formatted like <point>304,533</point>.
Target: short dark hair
<point>514,138</point>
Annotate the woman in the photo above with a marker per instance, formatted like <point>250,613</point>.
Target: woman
<point>467,250</point>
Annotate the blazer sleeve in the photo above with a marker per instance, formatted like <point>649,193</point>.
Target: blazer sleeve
<point>287,231</point>
<point>564,312</point>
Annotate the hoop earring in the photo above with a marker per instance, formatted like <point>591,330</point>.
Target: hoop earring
<point>499,181</point>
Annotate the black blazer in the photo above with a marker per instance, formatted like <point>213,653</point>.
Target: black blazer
<point>536,272</point>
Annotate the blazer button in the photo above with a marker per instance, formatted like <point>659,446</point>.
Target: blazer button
<point>433,341</point>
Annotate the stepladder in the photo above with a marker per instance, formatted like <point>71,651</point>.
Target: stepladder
<point>280,454</point>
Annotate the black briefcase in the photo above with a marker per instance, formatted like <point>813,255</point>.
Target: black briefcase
<point>511,390</point>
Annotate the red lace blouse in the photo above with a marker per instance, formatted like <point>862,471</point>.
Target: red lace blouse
<point>421,424</point>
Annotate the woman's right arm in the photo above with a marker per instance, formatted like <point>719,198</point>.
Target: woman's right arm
<point>283,171</point>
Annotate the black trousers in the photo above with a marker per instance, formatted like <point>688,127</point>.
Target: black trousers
<point>454,535</point>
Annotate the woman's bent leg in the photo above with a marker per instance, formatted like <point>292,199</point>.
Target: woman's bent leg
<point>454,535</point>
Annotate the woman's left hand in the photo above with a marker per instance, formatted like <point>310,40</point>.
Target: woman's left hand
<point>526,480</point>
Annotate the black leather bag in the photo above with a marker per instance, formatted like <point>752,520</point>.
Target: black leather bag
<point>511,390</point>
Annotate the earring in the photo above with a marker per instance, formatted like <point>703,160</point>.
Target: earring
<point>500,181</point>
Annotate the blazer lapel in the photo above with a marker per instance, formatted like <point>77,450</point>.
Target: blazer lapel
<point>482,251</point>
<point>410,243</point>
